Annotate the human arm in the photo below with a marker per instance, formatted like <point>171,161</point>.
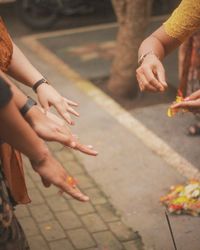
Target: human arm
<point>47,95</point>
<point>151,73</point>
<point>16,131</point>
<point>49,127</point>
<point>20,135</point>
<point>182,23</point>
<point>191,103</point>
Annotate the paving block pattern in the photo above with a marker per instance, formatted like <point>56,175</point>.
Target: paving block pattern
<point>58,222</point>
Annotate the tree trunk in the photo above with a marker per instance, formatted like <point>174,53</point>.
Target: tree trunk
<point>132,16</point>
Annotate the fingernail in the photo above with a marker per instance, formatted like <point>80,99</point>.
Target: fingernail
<point>86,198</point>
<point>186,99</point>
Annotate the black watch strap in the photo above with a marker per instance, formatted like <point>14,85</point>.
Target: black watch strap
<point>38,83</point>
<point>28,105</point>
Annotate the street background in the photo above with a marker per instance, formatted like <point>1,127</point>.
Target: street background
<point>132,170</point>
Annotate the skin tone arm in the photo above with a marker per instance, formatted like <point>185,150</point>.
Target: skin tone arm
<point>191,103</point>
<point>20,135</point>
<point>46,94</point>
<point>151,74</point>
<point>18,72</point>
<point>15,131</point>
<point>49,127</point>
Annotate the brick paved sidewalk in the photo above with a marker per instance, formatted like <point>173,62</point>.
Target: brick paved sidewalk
<point>62,223</point>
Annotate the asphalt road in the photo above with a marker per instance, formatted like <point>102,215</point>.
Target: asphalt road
<point>103,14</point>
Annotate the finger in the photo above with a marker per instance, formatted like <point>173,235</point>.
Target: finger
<point>64,139</point>
<point>152,80</point>
<point>178,105</point>
<point>151,88</point>
<point>71,110</point>
<point>142,81</point>
<point>144,84</point>
<point>70,102</point>
<point>193,96</point>
<point>161,76</point>
<point>140,85</point>
<point>85,149</point>
<point>61,109</point>
<point>188,104</point>
<point>73,191</point>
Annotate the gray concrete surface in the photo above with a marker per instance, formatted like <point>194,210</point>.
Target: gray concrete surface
<point>128,172</point>
<point>57,222</point>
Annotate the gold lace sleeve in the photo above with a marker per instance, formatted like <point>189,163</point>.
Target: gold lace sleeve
<point>184,20</point>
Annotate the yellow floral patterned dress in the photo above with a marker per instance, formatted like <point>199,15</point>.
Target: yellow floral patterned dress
<point>184,21</point>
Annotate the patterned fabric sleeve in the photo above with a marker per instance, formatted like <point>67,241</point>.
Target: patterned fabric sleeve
<point>184,20</point>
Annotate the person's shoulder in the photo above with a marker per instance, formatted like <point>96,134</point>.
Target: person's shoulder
<point>184,20</point>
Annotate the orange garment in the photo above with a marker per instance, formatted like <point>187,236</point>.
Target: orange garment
<point>6,47</point>
<point>11,160</point>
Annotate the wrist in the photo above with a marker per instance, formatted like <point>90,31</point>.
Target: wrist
<point>42,155</point>
<point>27,106</point>
<point>32,115</point>
<point>38,84</point>
<point>145,56</point>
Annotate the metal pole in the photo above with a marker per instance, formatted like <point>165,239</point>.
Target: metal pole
<point>171,232</point>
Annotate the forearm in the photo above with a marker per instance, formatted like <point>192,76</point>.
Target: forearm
<point>159,43</point>
<point>22,70</point>
<point>152,44</point>
<point>18,96</point>
<point>16,131</point>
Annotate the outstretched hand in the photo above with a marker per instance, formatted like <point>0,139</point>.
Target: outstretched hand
<point>52,172</point>
<point>191,103</point>
<point>51,128</point>
<point>48,96</point>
